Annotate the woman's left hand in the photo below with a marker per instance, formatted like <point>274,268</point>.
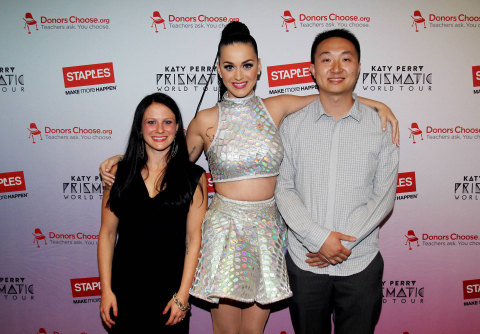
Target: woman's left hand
<point>386,115</point>
<point>176,315</point>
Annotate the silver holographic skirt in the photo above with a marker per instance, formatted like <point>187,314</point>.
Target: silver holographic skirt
<point>242,253</point>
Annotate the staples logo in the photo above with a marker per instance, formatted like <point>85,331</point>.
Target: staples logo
<point>12,181</point>
<point>418,19</point>
<point>210,187</point>
<point>289,74</point>
<point>406,183</point>
<point>85,287</point>
<point>471,289</point>
<point>88,75</point>
<point>476,76</point>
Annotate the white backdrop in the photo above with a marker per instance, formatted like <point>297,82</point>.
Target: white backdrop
<point>72,73</point>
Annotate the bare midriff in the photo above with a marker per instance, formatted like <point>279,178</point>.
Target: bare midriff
<point>257,189</point>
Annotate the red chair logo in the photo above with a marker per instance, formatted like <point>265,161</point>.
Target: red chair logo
<point>411,237</point>
<point>418,18</point>
<point>157,19</point>
<point>38,235</point>
<point>42,331</point>
<point>414,131</point>
<point>288,18</point>
<point>33,131</point>
<point>29,21</point>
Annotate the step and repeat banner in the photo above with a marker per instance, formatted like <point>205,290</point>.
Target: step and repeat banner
<point>72,73</point>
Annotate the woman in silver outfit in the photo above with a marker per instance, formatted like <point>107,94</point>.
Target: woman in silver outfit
<point>242,266</point>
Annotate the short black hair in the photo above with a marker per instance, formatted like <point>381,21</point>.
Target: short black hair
<point>342,33</point>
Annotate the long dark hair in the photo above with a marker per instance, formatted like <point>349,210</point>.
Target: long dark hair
<point>135,159</point>
<point>234,32</point>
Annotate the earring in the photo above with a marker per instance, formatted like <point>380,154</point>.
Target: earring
<point>142,150</point>
<point>174,149</point>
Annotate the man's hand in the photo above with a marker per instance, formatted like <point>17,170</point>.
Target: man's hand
<point>317,260</point>
<point>333,250</point>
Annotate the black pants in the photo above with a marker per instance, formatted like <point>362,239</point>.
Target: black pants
<point>355,301</point>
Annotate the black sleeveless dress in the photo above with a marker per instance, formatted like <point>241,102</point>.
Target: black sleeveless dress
<point>148,257</point>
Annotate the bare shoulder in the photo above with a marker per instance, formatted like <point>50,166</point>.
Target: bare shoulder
<point>205,119</point>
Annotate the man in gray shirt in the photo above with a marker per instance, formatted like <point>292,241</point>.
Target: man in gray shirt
<point>336,185</point>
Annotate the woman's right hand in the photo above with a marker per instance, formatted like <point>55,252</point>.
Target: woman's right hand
<point>108,301</point>
<point>105,168</point>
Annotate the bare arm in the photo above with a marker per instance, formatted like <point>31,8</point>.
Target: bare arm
<point>195,140</point>
<point>108,176</point>
<point>283,105</point>
<point>193,241</point>
<point>106,243</point>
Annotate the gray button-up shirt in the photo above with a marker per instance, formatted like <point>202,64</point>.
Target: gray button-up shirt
<point>336,176</point>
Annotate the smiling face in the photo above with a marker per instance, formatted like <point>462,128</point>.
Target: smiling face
<point>336,67</point>
<point>159,127</point>
<point>239,68</point>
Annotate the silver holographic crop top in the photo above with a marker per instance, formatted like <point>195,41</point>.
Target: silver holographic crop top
<point>247,143</point>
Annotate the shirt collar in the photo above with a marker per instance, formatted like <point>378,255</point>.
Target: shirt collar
<point>354,112</point>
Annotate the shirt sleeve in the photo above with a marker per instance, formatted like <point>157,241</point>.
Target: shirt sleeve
<point>367,217</point>
<point>290,204</point>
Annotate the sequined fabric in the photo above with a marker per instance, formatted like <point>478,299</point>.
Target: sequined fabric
<point>247,143</point>
<point>242,254</point>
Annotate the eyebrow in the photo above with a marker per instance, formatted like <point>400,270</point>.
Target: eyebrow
<point>329,52</point>
<point>229,62</point>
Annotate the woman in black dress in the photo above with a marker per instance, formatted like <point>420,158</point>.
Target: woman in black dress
<point>156,206</point>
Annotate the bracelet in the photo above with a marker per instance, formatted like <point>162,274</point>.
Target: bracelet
<point>182,307</point>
